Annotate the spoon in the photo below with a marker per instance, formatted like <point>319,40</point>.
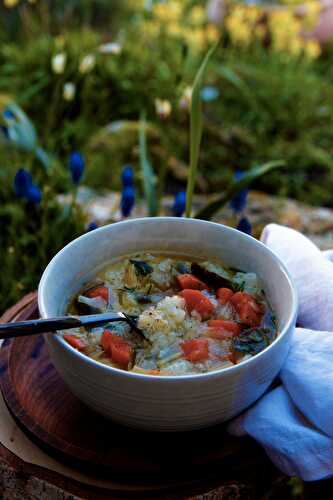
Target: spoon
<point>36,326</point>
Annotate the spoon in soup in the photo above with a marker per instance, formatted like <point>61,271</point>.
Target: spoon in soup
<point>37,326</point>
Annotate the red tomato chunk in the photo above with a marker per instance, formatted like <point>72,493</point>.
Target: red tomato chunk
<point>117,349</point>
<point>197,301</point>
<point>224,295</point>
<point>188,281</point>
<point>75,342</point>
<point>220,329</point>
<point>99,291</point>
<point>195,350</point>
<point>249,311</point>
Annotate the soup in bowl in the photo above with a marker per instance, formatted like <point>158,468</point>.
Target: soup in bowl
<point>215,306</point>
<point>193,317</point>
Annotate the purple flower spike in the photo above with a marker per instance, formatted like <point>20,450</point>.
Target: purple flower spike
<point>179,204</point>
<point>76,166</point>
<point>238,202</point>
<point>127,200</point>
<point>244,225</point>
<point>127,176</point>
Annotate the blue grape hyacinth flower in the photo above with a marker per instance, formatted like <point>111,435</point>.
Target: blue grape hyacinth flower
<point>34,195</point>
<point>92,226</point>
<point>127,176</point>
<point>25,188</point>
<point>76,166</point>
<point>179,204</point>
<point>244,225</point>
<point>4,131</point>
<point>8,114</point>
<point>127,200</point>
<point>209,93</point>
<point>22,182</point>
<point>238,202</point>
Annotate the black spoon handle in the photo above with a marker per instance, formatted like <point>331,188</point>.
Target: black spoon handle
<point>35,326</point>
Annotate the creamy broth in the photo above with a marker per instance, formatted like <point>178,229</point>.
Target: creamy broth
<point>196,316</point>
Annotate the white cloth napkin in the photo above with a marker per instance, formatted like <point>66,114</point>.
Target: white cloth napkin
<point>294,422</point>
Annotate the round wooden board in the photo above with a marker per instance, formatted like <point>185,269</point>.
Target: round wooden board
<point>63,426</point>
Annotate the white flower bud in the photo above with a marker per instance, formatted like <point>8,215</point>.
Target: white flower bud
<point>87,63</point>
<point>69,91</point>
<point>59,63</point>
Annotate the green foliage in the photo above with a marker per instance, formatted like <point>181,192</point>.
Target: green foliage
<point>270,106</point>
<point>148,176</point>
<point>31,234</point>
<point>208,211</point>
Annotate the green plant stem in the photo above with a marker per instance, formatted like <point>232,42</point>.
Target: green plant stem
<point>148,176</point>
<point>196,130</point>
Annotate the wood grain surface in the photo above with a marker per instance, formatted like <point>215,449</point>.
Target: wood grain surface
<point>168,464</point>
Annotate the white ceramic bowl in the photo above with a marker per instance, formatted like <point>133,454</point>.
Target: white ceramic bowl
<point>155,402</point>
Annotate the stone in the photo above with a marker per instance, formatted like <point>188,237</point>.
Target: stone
<point>262,209</point>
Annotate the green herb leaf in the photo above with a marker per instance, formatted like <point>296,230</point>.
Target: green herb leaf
<point>239,287</point>
<point>196,129</point>
<point>253,340</point>
<point>212,276</point>
<point>141,267</point>
<point>209,210</point>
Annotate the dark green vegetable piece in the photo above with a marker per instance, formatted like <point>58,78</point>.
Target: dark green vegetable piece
<point>141,298</point>
<point>210,278</point>
<point>141,267</point>
<point>182,268</point>
<point>253,340</point>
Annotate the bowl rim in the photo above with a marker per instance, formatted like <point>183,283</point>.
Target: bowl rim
<point>168,378</point>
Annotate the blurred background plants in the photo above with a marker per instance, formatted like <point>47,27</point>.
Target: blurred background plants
<point>84,71</point>
<point>80,74</point>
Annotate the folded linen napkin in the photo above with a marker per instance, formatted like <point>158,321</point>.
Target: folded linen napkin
<point>294,422</point>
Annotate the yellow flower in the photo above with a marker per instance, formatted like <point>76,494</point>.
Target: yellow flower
<point>295,47</point>
<point>212,33</point>
<point>285,30</point>
<point>239,30</point>
<point>87,63</point>
<point>197,15</point>
<point>69,91</point>
<point>252,14</point>
<point>10,3</point>
<point>174,29</point>
<point>163,108</point>
<point>284,21</point>
<point>242,22</point>
<point>312,49</point>
<point>170,11</point>
<point>311,17</point>
<point>196,38</point>
<point>58,63</point>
